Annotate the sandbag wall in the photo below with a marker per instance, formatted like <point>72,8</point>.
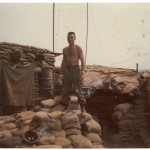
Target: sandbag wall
<point>24,54</point>
<point>131,121</point>
<point>55,126</point>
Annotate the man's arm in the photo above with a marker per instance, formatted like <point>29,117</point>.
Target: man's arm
<point>63,64</point>
<point>81,56</point>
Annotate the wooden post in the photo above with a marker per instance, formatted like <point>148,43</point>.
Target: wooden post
<point>137,67</point>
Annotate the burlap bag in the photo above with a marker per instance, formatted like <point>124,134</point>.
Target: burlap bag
<point>98,146</point>
<point>63,142</point>
<point>26,115</point>
<point>69,117</point>
<point>54,124</point>
<point>49,103</point>
<point>46,140</point>
<point>73,131</point>
<point>72,125</point>
<point>58,108</point>
<point>56,114</point>
<point>94,138</point>
<point>124,108</point>
<point>117,115</point>
<point>7,119</point>
<point>48,146</point>
<point>92,126</point>
<point>9,126</point>
<point>84,117</point>
<point>5,134</point>
<point>79,141</point>
<point>57,133</point>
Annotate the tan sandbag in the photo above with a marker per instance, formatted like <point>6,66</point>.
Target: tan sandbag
<point>73,131</point>
<point>26,115</point>
<point>2,53</point>
<point>40,116</point>
<point>7,119</point>
<point>130,116</point>
<point>124,108</point>
<point>94,138</point>
<point>48,146</point>
<point>92,126</point>
<point>25,128</point>
<point>79,141</point>
<point>56,114</point>
<point>5,134</point>
<point>69,117</point>
<point>49,103</point>
<point>117,115</point>
<point>125,122</point>
<point>57,99</point>
<point>13,130</point>
<point>84,117</point>
<point>46,140</point>
<point>74,106</point>
<point>9,126</point>
<point>98,146</point>
<point>57,133</point>
<point>63,142</point>
<point>27,122</point>
<point>72,125</point>
<point>54,124</point>
<point>45,109</point>
<point>2,125</point>
<point>58,108</point>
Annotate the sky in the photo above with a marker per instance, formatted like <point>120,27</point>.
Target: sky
<point>118,33</point>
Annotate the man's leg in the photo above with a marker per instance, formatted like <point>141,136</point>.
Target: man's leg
<point>79,91</point>
<point>65,92</point>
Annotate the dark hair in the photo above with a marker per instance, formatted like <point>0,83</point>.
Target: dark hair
<point>72,33</point>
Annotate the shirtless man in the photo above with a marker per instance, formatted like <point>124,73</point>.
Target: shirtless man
<point>71,73</point>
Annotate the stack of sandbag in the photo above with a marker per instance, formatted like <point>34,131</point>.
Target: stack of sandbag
<point>7,126</point>
<point>92,131</point>
<point>130,120</point>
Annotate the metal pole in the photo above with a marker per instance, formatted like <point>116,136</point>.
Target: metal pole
<point>53,25</point>
<point>137,67</point>
<point>86,35</point>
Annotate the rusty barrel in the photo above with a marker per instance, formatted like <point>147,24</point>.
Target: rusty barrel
<point>46,82</point>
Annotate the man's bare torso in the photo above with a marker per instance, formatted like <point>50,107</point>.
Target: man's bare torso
<point>72,54</point>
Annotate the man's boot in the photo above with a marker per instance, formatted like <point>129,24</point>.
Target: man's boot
<point>83,109</point>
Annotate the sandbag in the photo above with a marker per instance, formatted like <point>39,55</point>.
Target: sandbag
<point>92,126</point>
<point>27,122</point>
<point>9,126</point>
<point>57,99</point>
<point>98,146</point>
<point>124,108</point>
<point>117,115</point>
<point>72,125</point>
<point>94,138</point>
<point>7,119</point>
<point>69,117</point>
<point>63,142</point>
<point>5,134</point>
<point>84,117</point>
<point>125,122</point>
<point>26,115</point>
<point>54,124</point>
<point>11,142</point>
<point>46,140</point>
<point>57,133</point>
<point>48,146</point>
<point>55,114</point>
<point>79,141</point>
<point>58,108</point>
<point>49,103</point>
<point>73,131</point>
<point>74,106</point>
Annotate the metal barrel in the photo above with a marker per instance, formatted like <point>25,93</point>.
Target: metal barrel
<point>46,82</point>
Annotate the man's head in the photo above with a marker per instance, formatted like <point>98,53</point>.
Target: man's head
<point>71,37</point>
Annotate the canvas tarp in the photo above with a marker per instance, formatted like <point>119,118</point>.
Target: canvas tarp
<point>16,84</point>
